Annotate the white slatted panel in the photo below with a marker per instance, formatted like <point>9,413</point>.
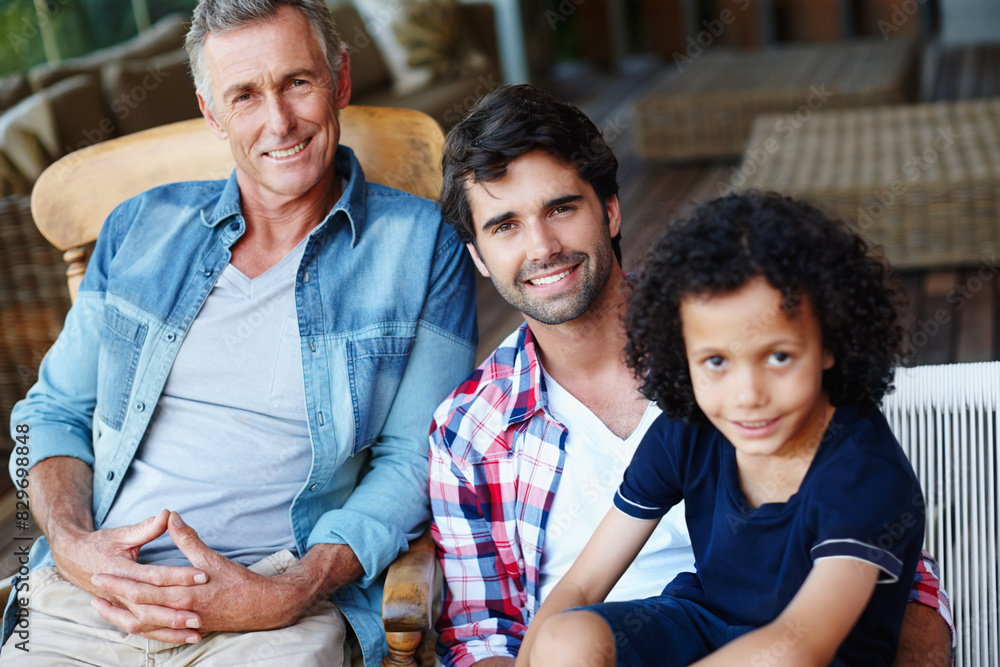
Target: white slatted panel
<point>947,418</point>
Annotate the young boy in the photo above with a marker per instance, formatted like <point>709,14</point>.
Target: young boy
<point>766,334</point>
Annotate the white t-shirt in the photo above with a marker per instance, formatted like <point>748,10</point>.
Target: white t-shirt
<point>595,461</point>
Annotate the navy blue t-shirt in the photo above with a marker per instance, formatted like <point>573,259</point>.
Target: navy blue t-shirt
<point>859,499</point>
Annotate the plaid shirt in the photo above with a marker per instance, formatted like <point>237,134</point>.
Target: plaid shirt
<point>496,458</point>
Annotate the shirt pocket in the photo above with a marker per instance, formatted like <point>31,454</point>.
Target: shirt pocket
<point>287,386</point>
<point>375,368</point>
<point>121,345</point>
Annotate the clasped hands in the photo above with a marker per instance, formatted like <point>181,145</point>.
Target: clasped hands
<point>171,603</point>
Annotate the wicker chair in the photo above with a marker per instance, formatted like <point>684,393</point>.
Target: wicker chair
<point>948,419</point>
<point>33,304</point>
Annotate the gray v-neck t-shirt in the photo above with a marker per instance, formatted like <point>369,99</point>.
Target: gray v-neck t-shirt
<point>228,446</point>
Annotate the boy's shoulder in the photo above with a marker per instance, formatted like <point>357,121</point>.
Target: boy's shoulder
<point>860,462</point>
<point>862,434</point>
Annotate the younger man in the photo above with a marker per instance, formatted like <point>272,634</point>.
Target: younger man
<point>526,454</point>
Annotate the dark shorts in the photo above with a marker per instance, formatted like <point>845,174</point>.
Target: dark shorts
<point>667,631</point>
<point>664,631</point>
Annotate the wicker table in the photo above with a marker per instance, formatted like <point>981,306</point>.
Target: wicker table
<point>921,180</point>
<point>708,108</point>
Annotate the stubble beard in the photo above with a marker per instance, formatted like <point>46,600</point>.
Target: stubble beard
<point>593,276</point>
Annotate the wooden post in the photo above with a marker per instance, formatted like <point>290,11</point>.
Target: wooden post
<point>402,646</point>
<point>76,266</point>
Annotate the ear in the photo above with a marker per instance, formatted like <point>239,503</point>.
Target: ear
<point>827,360</point>
<point>614,215</point>
<point>343,94</point>
<point>213,123</point>
<point>478,260</point>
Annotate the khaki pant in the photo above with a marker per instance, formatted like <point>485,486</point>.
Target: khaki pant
<point>65,630</point>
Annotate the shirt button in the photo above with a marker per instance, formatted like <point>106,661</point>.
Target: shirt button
<point>207,271</point>
<point>111,476</point>
<point>234,226</point>
<point>140,406</point>
<point>170,337</point>
<point>313,487</point>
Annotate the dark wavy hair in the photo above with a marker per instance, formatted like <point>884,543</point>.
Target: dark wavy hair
<point>803,254</point>
<point>508,123</point>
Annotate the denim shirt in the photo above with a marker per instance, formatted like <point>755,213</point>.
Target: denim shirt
<point>385,297</point>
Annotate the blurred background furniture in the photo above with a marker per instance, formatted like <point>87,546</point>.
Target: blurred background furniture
<point>706,108</point>
<point>135,85</point>
<point>921,180</point>
<point>33,303</point>
<point>947,418</point>
<point>456,44</point>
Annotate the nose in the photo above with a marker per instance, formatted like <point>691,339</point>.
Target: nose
<point>750,390</point>
<point>280,119</point>
<point>542,242</point>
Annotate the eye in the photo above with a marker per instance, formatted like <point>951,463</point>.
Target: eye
<point>502,227</point>
<point>779,359</point>
<point>242,97</point>
<point>298,82</point>
<point>563,208</point>
<point>715,363</point>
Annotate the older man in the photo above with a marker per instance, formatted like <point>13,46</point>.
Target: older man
<point>260,356</point>
<point>527,453</point>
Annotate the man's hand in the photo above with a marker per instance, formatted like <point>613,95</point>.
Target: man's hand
<point>61,505</point>
<point>233,599</point>
<point>78,555</point>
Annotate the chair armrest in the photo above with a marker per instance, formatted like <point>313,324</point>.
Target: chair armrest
<point>409,582</point>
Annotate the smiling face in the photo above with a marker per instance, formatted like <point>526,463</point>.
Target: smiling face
<point>277,104</point>
<point>757,372</point>
<point>543,238</point>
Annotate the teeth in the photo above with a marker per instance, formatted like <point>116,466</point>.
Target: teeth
<point>548,280</point>
<point>291,151</point>
<point>754,424</point>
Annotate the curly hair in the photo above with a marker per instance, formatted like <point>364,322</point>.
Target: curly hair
<point>508,123</point>
<point>803,254</point>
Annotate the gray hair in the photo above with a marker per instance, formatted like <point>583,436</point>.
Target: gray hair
<point>221,16</point>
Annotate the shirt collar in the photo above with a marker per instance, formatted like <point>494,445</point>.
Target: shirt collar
<point>528,391</point>
<point>353,200</point>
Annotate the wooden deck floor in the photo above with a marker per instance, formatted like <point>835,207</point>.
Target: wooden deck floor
<point>954,312</point>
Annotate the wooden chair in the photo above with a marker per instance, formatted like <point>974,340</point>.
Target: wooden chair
<point>396,147</point>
